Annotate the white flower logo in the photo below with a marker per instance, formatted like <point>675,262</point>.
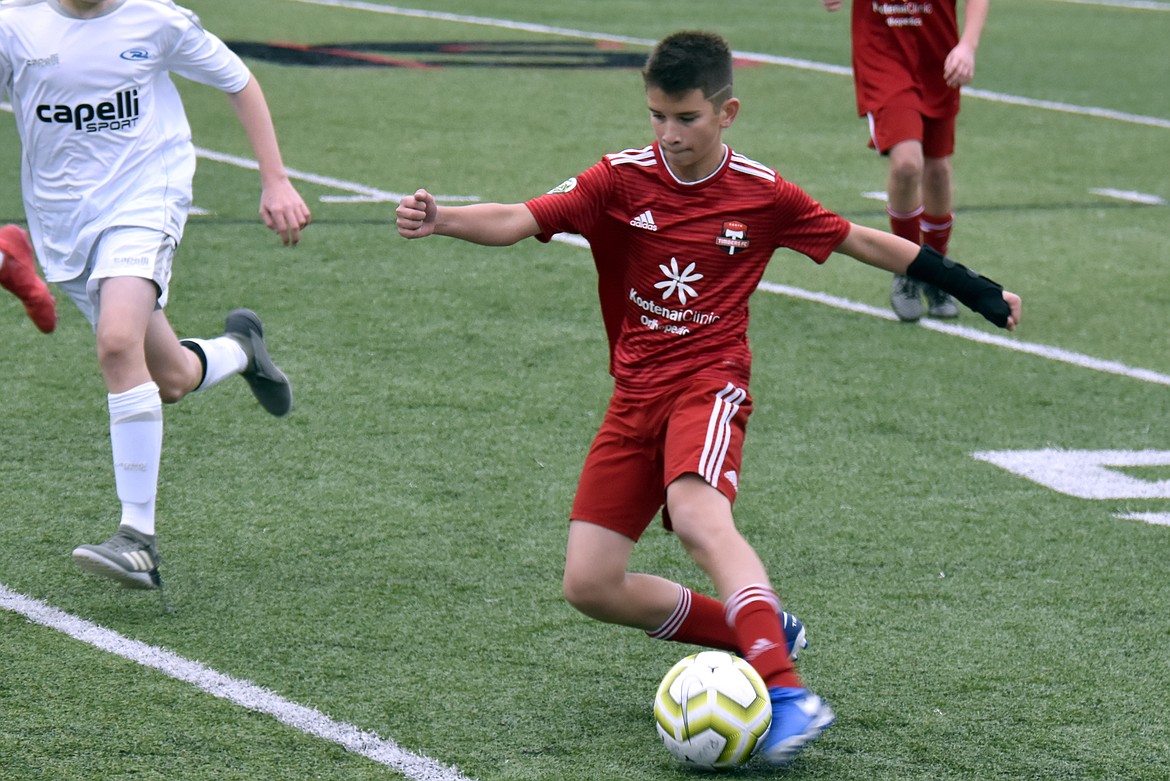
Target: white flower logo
<point>676,281</point>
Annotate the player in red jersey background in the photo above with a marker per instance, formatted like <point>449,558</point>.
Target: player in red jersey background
<point>681,231</point>
<point>909,62</point>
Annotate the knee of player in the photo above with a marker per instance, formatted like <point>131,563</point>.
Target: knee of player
<point>170,392</point>
<point>117,349</point>
<point>906,169</point>
<point>704,541</point>
<point>586,591</point>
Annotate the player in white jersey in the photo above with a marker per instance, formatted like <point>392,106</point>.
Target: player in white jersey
<point>106,179</point>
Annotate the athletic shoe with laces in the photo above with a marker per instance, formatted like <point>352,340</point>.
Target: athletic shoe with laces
<point>794,634</point>
<point>268,383</point>
<point>798,717</point>
<point>906,298</point>
<point>129,557</point>
<point>18,275</point>
<point>940,304</point>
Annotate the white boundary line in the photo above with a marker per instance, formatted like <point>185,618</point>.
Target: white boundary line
<point>368,194</point>
<point>244,693</point>
<point>1129,195</point>
<point>364,192</point>
<point>1158,519</point>
<point>1133,5</point>
<point>974,335</point>
<point>820,67</point>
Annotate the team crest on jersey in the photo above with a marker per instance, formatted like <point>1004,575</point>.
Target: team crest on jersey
<point>734,236</point>
<point>566,186</point>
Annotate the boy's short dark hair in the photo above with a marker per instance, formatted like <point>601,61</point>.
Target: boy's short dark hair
<point>689,60</point>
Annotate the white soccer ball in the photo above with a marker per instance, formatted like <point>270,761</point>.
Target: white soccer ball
<point>712,710</point>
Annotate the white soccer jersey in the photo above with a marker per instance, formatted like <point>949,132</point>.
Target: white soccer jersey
<point>106,140</point>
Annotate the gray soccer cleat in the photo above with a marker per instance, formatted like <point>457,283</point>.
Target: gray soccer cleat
<point>268,383</point>
<point>940,304</point>
<point>906,298</point>
<point>129,557</point>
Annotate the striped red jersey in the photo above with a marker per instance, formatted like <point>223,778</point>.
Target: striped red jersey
<point>899,49</point>
<point>677,262</point>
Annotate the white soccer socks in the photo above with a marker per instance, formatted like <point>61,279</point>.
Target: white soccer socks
<point>221,357</point>
<point>136,429</point>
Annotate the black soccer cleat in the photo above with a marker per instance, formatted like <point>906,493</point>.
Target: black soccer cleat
<point>268,383</point>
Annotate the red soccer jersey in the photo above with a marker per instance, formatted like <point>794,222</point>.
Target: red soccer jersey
<point>677,262</point>
<point>899,49</point>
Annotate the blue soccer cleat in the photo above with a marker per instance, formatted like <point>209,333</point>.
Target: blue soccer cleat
<point>794,634</point>
<point>798,717</point>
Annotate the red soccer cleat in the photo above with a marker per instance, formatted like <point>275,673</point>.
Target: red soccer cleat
<point>18,275</point>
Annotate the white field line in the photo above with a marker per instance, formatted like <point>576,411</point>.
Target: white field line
<point>819,67</point>
<point>243,693</point>
<point>1129,195</point>
<point>1133,5</point>
<point>363,192</point>
<point>1159,519</point>
<point>975,335</point>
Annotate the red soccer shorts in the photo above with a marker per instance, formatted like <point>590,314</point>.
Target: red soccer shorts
<point>889,126</point>
<point>646,444</point>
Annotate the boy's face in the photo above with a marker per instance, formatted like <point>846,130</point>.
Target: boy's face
<point>690,130</point>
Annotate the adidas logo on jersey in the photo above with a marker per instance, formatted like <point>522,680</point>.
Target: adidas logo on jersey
<point>645,220</point>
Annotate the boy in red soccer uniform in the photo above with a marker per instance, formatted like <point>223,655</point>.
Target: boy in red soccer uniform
<point>909,62</point>
<point>681,231</point>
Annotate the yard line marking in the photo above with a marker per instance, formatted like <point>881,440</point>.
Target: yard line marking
<point>1138,5</point>
<point>801,64</point>
<point>1129,195</point>
<point>1085,474</point>
<point>1067,108</point>
<point>483,21</point>
<point>1160,519</point>
<point>371,193</point>
<point>975,335</point>
<point>244,693</point>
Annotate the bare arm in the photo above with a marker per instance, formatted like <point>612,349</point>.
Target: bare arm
<point>895,254</point>
<point>493,224</point>
<point>281,206</point>
<point>879,248</point>
<point>959,68</point>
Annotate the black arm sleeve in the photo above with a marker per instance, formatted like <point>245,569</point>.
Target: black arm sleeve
<point>976,292</point>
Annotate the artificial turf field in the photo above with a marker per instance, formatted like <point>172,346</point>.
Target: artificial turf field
<point>376,578</point>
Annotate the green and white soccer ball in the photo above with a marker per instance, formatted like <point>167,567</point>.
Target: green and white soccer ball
<point>712,710</point>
